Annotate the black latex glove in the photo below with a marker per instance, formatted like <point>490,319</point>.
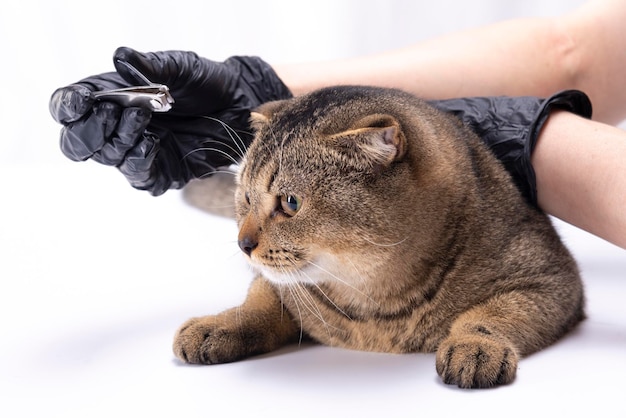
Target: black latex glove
<point>206,128</point>
<point>510,127</point>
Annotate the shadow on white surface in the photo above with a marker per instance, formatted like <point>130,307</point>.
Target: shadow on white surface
<point>96,278</point>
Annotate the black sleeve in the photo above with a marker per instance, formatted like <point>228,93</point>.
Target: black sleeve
<point>510,127</point>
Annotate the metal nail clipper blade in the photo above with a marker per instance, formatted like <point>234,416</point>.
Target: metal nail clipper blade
<point>152,96</point>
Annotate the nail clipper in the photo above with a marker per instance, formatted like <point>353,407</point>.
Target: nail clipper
<point>153,96</point>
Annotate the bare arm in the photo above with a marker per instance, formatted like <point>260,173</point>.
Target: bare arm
<point>581,174</point>
<point>584,49</point>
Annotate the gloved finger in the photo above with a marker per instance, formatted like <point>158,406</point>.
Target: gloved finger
<point>198,85</point>
<point>81,139</point>
<point>137,166</point>
<point>69,104</point>
<point>162,67</point>
<point>130,128</point>
<point>143,167</point>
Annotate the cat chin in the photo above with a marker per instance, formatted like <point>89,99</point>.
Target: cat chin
<point>323,268</point>
<point>278,278</point>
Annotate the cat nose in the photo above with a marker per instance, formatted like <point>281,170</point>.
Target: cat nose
<point>248,244</point>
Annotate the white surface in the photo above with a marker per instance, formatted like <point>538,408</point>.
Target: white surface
<point>88,311</point>
<point>95,277</point>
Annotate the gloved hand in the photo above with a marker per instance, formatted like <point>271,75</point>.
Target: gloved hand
<point>206,128</point>
<point>510,127</point>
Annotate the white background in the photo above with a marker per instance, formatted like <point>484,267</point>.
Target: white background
<point>95,277</point>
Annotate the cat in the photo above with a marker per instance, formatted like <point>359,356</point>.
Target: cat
<point>376,222</point>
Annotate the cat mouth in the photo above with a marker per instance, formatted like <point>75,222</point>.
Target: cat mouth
<point>279,265</point>
<point>280,269</point>
<point>285,275</point>
<point>316,270</point>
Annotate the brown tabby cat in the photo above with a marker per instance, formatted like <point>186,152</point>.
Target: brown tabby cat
<point>379,223</point>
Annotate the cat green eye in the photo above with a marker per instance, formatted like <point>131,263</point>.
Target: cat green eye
<point>290,204</point>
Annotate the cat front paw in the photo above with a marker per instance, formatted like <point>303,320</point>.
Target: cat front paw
<point>207,341</point>
<point>474,361</point>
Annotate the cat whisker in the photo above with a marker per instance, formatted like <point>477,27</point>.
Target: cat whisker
<point>238,316</point>
<point>297,302</point>
<point>309,303</point>
<point>274,137</point>
<point>385,245</point>
<point>236,151</point>
<point>227,155</point>
<point>344,282</point>
<point>297,305</point>
<point>306,299</point>
<point>234,136</point>
<point>326,296</point>
<point>218,171</point>
<point>216,207</point>
<point>282,304</point>
<point>363,281</point>
<point>305,291</point>
<point>296,287</point>
<point>239,153</point>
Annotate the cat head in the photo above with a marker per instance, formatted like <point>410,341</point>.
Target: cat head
<point>323,193</point>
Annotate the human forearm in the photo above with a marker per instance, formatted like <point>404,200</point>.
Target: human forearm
<point>469,63</point>
<point>582,50</point>
<point>581,174</point>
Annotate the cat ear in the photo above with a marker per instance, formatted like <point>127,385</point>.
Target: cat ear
<point>263,114</point>
<point>378,139</point>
